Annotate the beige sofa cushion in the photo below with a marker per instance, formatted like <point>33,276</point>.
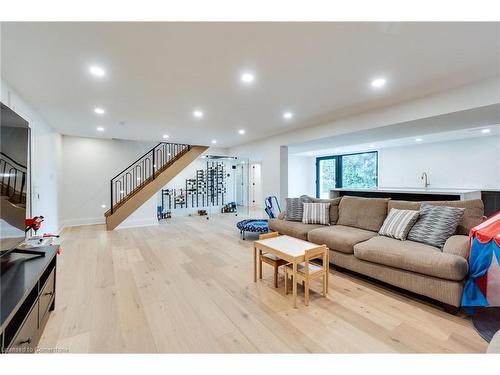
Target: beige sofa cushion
<point>339,237</point>
<point>363,213</point>
<point>473,215</point>
<point>292,228</point>
<point>412,256</point>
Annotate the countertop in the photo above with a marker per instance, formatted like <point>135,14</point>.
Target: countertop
<point>412,190</point>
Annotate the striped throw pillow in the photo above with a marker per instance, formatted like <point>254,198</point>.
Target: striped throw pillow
<point>436,224</point>
<point>398,223</point>
<point>316,213</point>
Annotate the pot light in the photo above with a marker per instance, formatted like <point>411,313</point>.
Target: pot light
<point>169,154</point>
<point>103,206</point>
<point>165,136</point>
<point>287,115</point>
<point>485,131</point>
<point>372,146</point>
<point>97,71</point>
<point>379,82</point>
<point>197,114</point>
<point>214,141</point>
<point>100,129</point>
<point>241,131</point>
<point>99,111</point>
<point>418,139</point>
<point>247,78</point>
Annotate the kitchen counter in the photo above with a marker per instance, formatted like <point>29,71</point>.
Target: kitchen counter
<point>410,193</point>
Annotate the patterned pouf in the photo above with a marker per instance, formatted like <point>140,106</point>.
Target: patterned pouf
<point>252,225</point>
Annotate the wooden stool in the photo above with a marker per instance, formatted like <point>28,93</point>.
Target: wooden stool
<point>270,259</point>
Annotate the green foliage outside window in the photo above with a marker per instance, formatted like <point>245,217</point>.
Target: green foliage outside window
<point>359,170</point>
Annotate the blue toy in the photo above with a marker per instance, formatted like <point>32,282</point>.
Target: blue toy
<point>260,225</point>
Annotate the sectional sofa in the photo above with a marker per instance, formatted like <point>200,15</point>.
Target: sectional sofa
<point>354,244</point>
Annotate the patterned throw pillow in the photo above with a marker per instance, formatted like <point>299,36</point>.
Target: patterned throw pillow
<point>316,213</point>
<point>436,224</point>
<point>294,209</point>
<point>398,223</point>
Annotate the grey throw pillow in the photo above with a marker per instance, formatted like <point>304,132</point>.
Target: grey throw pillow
<point>435,224</point>
<point>294,209</point>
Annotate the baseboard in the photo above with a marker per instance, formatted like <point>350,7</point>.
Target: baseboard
<point>80,222</point>
<point>135,223</point>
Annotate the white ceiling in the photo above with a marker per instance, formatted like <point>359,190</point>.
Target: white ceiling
<point>158,73</point>
<point>451,126</point>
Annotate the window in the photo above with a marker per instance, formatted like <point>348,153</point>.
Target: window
<point>347,171</point>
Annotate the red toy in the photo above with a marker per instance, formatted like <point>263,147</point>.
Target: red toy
<point>33,223</point>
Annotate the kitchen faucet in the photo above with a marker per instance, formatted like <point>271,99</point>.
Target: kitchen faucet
<point>425,179</point>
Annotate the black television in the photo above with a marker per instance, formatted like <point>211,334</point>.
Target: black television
<point>14,178</point>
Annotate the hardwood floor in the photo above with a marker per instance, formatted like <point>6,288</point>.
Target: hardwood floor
<point>186,286</point>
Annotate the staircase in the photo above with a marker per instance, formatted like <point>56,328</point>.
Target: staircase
<point>12,191</point>
<point>137,183</point>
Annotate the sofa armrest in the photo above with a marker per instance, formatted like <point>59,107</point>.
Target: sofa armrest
<point>457,245</point>
<point>281,216</point>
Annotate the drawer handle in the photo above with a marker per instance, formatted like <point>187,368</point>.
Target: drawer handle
<point>48,294</point>
<point>27,341</point>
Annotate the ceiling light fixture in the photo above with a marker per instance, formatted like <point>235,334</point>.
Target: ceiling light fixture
<point>99,111</point>
<point>103,206</point>
<point>100,129</point>
<point>214,141</point>
<point>418,140</point>
<point>371,146</point>
<point>241,131</point>
<point>247,78</point>
<point>485,131</point>
<point>165,136</point>
<point>97,71</point>
<point>198,114</point>
<point>379,82</point>
<point>287,115</point>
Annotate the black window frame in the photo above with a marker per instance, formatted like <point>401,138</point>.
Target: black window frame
<point>338,168</point>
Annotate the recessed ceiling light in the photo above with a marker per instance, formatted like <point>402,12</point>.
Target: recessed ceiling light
<point>214,141</point>
<point>485,131</point>
<point>379,82</point>
<point>247,78</point>
<point>198,114</point>
<point>418,139</point>
<point>287,115</point>
<point>241,131</point>
<point>371,146</point>
<point>100,129</point>
<point>99,111</point>
<point>169,154</point>
<point>165,136</point>
<point>97,71</point>
<point>103,206</point>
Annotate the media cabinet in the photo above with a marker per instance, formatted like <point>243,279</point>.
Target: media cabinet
<point>28,294</point>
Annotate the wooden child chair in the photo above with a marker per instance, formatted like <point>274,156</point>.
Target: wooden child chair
<point>306,272</point>
<point>270,259</point>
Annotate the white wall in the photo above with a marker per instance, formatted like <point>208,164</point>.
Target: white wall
<point>88,164</point>
<point>466,163</point>
<point>301,176</point>
<point>267,151</point>
<point>45,166</point>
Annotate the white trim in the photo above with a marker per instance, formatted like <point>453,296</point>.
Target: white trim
<point>146,222</point>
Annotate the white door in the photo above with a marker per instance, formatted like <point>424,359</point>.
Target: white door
<point>256,199</point>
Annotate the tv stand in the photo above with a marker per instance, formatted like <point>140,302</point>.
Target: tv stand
<point>28,292</point>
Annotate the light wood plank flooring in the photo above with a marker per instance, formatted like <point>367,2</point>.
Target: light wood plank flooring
<point>186,286</point>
